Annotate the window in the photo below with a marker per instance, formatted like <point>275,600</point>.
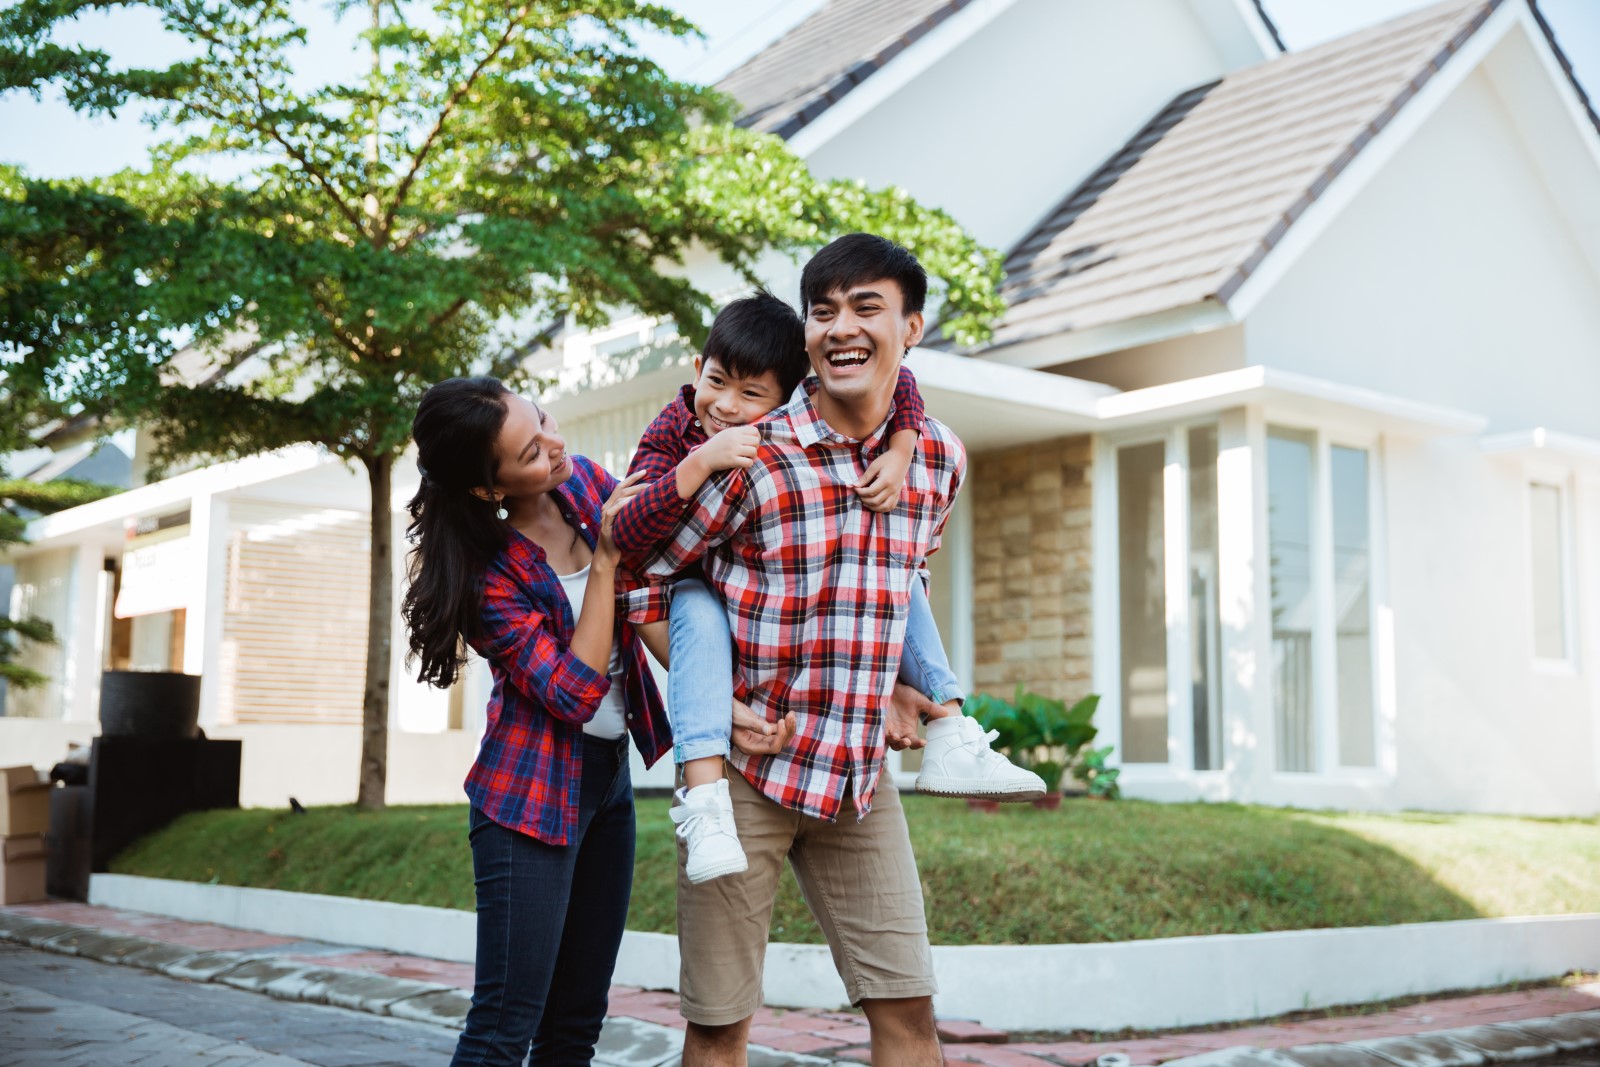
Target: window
<point>1141,543</point>
<point>1289,521</point>
<point>1205,617</point>
<point>1319,518</point>
<point>1549,573</point>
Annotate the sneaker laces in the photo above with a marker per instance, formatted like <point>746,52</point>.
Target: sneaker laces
<point>974,739</point>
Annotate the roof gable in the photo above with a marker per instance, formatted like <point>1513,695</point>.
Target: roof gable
<point>1193,203</point>
<point>785,86</point>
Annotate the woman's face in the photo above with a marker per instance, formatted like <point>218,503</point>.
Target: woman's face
<point>531,453</point>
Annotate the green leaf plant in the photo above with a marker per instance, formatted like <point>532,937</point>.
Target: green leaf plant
<point>1045,736</point>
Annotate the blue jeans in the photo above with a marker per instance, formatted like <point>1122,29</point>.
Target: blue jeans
<point>700,675</point>
<point>550,921</point>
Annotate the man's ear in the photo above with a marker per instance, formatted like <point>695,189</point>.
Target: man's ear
<point>914,333</point>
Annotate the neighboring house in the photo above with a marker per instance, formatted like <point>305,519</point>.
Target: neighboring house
<point>1288,443</point>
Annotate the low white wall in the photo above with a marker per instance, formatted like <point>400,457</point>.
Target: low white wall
<point>1182,981</point>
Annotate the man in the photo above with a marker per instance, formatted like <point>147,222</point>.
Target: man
<point>816,588</point>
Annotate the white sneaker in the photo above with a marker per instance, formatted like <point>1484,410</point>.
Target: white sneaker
<point>958,762</point>
<point>704,816</point>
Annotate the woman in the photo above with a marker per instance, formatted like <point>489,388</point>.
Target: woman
<point>513,554</point>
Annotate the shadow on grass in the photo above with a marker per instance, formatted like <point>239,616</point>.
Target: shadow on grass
<point>1092,871</point>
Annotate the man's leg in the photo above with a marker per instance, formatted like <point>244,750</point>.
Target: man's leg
<point>860,881</point>
<point>722,932</point>
<point>903,1032</point>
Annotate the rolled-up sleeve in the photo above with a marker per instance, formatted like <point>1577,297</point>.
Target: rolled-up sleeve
<point>515,636</point>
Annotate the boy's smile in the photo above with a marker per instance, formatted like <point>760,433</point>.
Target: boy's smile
<point>723,399</point>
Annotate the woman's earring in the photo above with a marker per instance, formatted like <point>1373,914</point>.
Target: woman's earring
<point>500,512</point>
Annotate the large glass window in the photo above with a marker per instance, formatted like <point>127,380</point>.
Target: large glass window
<point>1549,579</point>
<point>1352,604</point>
<point>1143,601</point>
<point>1289,523</point>
<point>1205,621</point>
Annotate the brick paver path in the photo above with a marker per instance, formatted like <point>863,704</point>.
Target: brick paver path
<point>843,1035</point>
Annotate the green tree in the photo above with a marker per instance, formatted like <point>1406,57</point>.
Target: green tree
<point>491,164</point>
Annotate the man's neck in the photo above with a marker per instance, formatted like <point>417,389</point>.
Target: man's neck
<point>853,420</point>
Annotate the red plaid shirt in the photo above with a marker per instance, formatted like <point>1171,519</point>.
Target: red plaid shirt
<point>816,588</point>
<point>649,518</point>
<point>530,765</point>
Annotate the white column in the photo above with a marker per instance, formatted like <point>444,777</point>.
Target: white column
<point>202,638</point>
<point>82,656</point>
<point>1244,596</point>
<point>1104,561</point>
<point>1180,663</point>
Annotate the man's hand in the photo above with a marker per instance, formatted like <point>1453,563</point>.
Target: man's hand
<point>755,736</point>
<point>906,706</point>
<point>879,487</point>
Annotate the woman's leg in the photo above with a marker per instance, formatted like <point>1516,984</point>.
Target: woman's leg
<point>699,682</point>
<point>522,889</point>
<point>923,664</point>
<point>597,911</point>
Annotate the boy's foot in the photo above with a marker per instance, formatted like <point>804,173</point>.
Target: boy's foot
<point>958,762</point>
<point>705,823</point>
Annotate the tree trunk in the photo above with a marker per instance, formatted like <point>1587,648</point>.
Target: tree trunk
<point>380,611</point>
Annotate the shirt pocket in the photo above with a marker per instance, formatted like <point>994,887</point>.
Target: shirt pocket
<point>902,535</point>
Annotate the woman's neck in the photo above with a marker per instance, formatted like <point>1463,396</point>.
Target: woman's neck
<point>539,519</point>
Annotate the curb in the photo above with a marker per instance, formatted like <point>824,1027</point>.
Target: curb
<point>623,1042</point>
<point>629,1042</point>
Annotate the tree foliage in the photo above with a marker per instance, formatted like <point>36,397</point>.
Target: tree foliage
<point>490,172</point>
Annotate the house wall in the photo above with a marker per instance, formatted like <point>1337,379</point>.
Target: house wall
<point>1076,78</point>
<point>1031,569</point>
<point>1452,279</point>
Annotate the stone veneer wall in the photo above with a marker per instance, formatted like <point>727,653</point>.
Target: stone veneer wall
<point>1031,575</point>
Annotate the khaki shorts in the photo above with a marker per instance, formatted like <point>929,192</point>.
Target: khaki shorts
<point>859,879</point>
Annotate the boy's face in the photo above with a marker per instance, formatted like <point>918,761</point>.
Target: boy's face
<point>856,338</point>
<point>723,399</point>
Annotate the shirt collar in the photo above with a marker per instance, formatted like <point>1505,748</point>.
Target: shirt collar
<point>810,429</point>
<point>691,421</point>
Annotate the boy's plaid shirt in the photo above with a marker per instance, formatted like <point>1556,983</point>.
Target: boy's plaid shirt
<point>816,588</point>
<point>530,764</point>
<point>651,516</point>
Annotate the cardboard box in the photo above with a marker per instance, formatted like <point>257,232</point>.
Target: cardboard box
<point>24,802</point>
<point>22,864</point>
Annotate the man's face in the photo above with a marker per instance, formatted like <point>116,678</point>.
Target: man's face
<point>856,337</point>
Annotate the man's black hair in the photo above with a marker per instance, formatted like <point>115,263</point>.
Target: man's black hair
<point>863,257</point>
<point>759,333</point>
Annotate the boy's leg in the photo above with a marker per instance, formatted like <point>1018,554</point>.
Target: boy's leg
<point>923,664</point>
<point>957,760</point>
<point>700,678</point>
<point>700,698</point>
<point>860,880</point>
<point>722,932</point>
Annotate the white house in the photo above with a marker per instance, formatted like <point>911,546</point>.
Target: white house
<point>1288,445</point>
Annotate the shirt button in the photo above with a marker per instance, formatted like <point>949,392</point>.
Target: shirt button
<point>584,525</point>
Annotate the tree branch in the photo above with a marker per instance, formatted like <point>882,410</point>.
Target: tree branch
<point>444,114</point>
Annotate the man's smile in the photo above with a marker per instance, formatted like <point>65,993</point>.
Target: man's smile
<point>853,356</point>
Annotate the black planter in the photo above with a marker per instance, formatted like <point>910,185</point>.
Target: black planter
<point>149,704</point>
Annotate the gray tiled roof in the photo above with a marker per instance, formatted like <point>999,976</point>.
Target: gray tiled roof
<point>1189,207</point>
<point>810,68</point>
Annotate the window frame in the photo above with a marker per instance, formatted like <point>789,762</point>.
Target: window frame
<point>1550,477</point>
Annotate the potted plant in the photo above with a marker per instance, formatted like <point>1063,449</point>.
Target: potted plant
<point>1046,737</point>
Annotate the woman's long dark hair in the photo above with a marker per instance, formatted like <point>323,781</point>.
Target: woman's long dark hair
<point>454,533</point>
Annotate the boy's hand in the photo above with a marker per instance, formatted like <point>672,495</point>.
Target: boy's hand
<point>754,736</point>
<point>734,447</point>
<point>879,487</point>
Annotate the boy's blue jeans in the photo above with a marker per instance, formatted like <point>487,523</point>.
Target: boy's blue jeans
<point>700,676</point>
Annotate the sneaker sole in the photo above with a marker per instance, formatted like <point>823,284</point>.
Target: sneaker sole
<point>717,871</point>
<point>955,787</point>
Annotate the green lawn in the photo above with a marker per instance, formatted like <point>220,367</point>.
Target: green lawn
<point>1092,871</point>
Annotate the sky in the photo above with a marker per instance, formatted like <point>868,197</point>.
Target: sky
<point>48,139</point>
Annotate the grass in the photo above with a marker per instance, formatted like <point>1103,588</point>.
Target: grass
<point>1092,871</point>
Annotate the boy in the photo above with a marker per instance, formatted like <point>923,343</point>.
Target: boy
<point>753,360</point>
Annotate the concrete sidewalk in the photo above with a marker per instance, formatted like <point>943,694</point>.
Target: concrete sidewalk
<point>644,1028</point>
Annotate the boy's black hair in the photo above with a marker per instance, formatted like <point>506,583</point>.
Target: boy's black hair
<point>756,334</point>
<point>863,257</point>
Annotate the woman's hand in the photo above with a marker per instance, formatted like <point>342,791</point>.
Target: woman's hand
<point>755,736</point>
<point>606,552</point>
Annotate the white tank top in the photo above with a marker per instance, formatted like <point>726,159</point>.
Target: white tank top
<point>610,721</point>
